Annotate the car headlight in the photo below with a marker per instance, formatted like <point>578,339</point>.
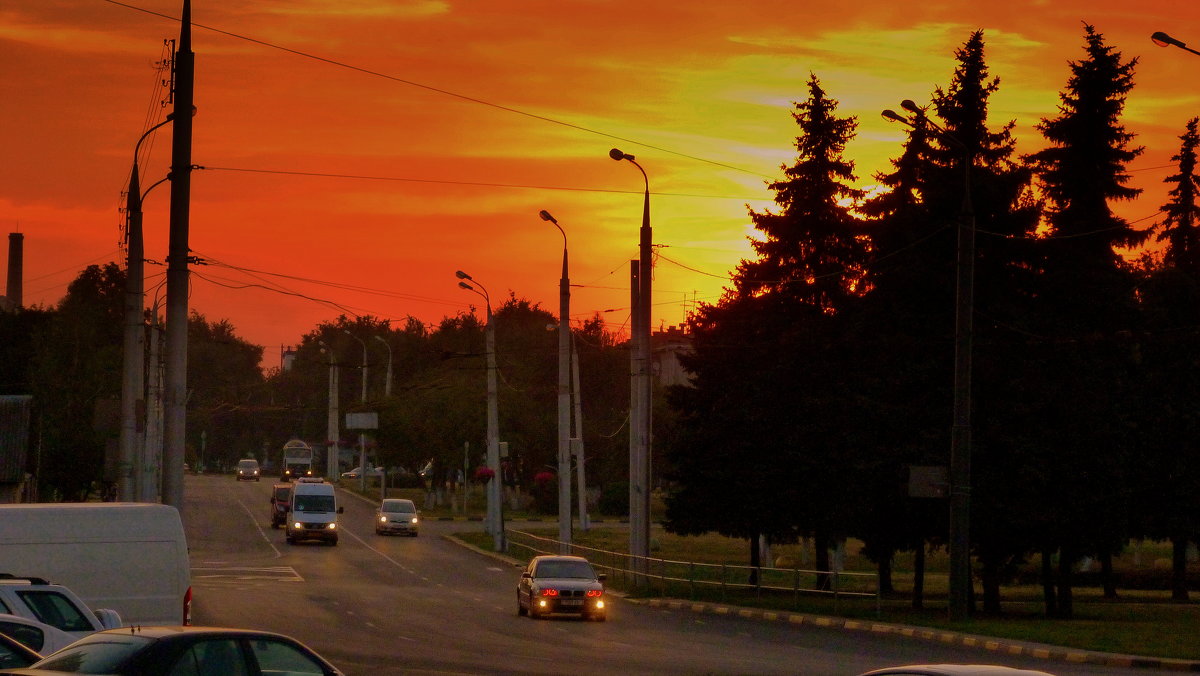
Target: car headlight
<point>414,519</point>
<point>383,519</point>
<point>331,526</point>
<point>298,526</point>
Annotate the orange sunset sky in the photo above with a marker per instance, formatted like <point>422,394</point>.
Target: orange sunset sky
<point>476,114</point>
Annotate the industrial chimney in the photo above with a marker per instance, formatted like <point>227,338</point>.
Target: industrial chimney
<point>16,246</point>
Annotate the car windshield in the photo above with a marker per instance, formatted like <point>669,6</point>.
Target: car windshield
<point>282,493</point>
<point>577,569</point>
<point>93,657</point>
<point>313,503</point>
<point>248,464</point>
<point>397,506</point>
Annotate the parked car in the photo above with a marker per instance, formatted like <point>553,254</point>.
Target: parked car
<point>248,470</point>
<point>397,515</point>
<point>354,473</point>
<point>196,651</point>
<point>281,495</point>
<point>953,670</point>
<point>561,584</point>
<point>34,598</point>
<point>14,654</point>
<point>39,637</point>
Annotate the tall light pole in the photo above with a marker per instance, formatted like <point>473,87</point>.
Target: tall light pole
<point>495,515</point>
<point>134,353</point>
<point>960,431</point>
<point>640,388</point>
<point>178,258</point>
<point>1163,40</point>
<point>564,396</point>
<point>332,432</point>
<point>362,437</point>
<point>387,385</point>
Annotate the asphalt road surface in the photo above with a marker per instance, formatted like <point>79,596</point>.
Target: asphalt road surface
<point>397,605</point>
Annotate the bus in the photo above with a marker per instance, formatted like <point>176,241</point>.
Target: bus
<point>297,460</point>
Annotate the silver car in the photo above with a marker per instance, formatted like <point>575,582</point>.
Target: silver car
<point>397,515</point>
<point>561,584</point>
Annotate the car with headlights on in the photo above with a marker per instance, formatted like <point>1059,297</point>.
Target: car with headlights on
<point>397,515</point>
<point>248,470</point>
<point>172,651</point>
<point>561,585</point>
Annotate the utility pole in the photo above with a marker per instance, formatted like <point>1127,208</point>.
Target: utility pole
<point>175,418</point>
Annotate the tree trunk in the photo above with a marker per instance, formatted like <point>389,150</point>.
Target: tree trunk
<point>755,559</point>
<point>990,577</point>
<point>885,574</point>
<point>918,597</point>
<point>821,543</point>
<point>1107,578</point>
<point>1048,583</point>
<point>1066,606</point>
<point>1179,590</point>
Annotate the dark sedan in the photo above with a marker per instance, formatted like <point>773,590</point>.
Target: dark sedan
<point>561,584</point>
<point>195,651</point>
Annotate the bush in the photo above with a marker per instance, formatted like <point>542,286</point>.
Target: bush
<point>614,499</point>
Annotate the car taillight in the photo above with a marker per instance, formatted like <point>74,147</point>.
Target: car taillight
<point>549,592</point>
<point>592,593</point>
<point>187,607</point>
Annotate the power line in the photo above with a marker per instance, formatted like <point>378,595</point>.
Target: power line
<point>439,90</point>
<point>475,183</point>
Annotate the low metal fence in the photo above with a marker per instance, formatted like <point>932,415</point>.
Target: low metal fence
<point>670,577</point>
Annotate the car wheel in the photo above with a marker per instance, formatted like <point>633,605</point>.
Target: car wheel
<point>533,611</point>
<point>520,608</point>
<point>291,540</point>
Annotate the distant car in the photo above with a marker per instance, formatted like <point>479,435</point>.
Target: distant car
<point>14,654</point>
<point>353,474</point>
<point>397,515</point>
<point>196,651</point>
<point>561,584</point>
<point>248,470</point>
<point>39,637</point>
<point>954,670</point>
<point>281,495</point>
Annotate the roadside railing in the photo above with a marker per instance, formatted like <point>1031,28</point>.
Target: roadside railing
<point>671,578</point>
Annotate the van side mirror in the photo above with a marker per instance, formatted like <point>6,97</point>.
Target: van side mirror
<point>602,577</point>
<point>341,509</point>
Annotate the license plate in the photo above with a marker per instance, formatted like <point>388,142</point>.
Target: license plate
<point>571,602</point>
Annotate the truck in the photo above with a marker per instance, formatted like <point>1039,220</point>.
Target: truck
<point>129,557</point>
<point>297,460</point>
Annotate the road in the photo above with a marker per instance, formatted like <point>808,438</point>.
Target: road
<point>398,605</point>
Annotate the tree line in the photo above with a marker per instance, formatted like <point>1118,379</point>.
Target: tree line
<point>826,370</point>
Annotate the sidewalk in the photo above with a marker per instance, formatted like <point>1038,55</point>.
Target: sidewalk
<point>983,643</point>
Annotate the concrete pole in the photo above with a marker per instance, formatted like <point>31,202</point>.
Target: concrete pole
<point>133,357</point>
<point>175,417</point>
<point>638,536</point>
<point>577,441</point>
<point>150,465</point>
<point>332,433</point>
<point>564,397</point>
<point>493,439</point>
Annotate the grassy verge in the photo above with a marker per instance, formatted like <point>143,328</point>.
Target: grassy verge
<point>1139,622</point>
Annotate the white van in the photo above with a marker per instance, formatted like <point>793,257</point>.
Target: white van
<point>130,557</point>
<point>313,511</point>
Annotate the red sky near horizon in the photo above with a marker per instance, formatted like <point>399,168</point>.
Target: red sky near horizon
<point>427,134</point>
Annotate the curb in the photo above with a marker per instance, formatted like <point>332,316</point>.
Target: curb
<point>998,645</point>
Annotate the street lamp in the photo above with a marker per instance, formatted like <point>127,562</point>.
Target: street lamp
<point>387,385</point>
<point>362,437</point>
<point>133,352</point>
<point>640,387</point>
<point>495,512</point>
<point>564,397</point>
<point>960,431</point>
<point>1163,40</point>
